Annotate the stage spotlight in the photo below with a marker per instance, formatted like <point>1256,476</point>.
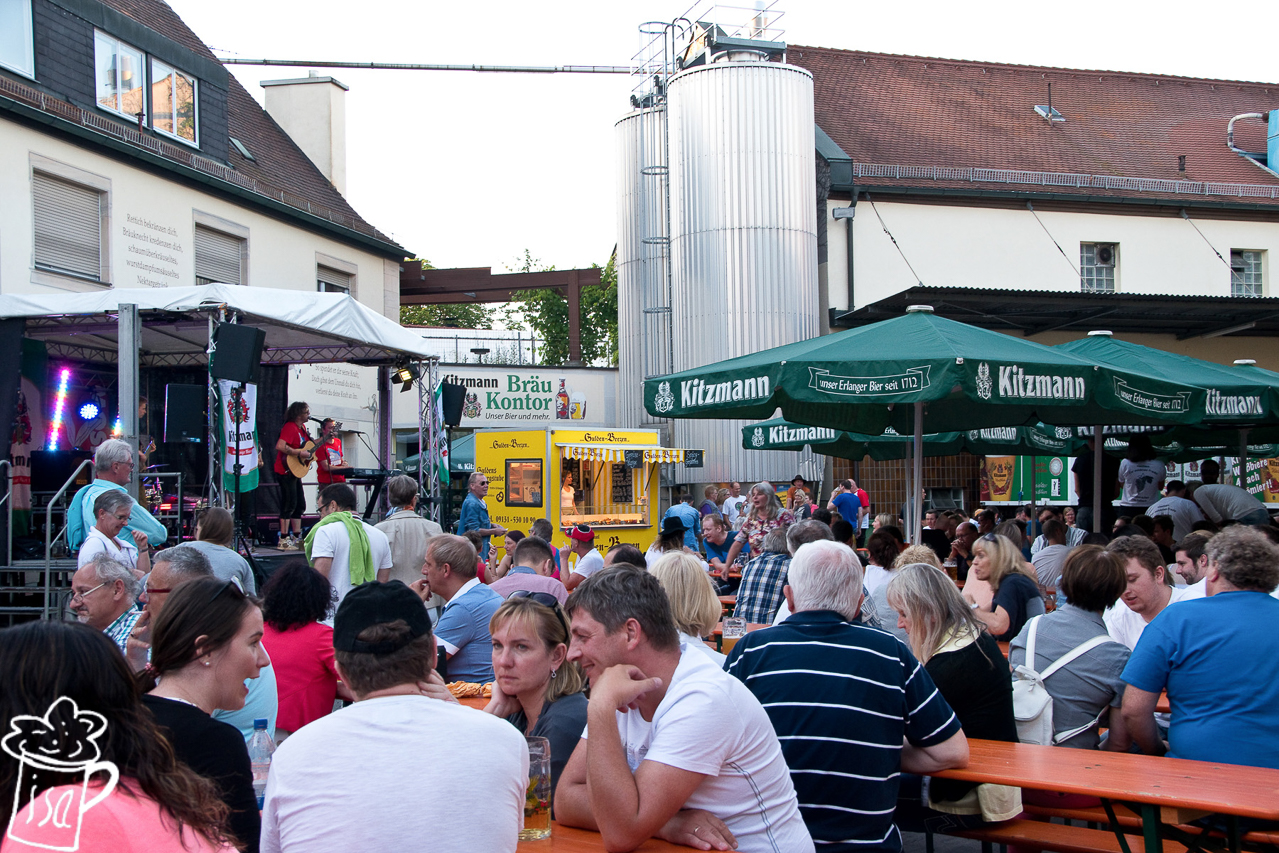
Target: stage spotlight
<point>59,405</point>
<point>89,411</point>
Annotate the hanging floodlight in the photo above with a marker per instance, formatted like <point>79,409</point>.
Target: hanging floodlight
<point>89,411</point>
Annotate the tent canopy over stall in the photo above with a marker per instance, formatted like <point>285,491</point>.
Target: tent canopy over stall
<point>300,327</point>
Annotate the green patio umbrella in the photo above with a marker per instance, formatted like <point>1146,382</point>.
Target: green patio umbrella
<point>920,373</point>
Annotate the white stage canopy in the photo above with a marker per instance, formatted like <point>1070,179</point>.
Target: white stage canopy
<point>301,327</point>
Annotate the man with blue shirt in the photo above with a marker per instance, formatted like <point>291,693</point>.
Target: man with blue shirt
<point>846,502</point>
<point>463,627</point>
<point>685,512</point>
<point>475,514</point>
<point>112,466</point>
<point>1218,658</point>
<point>851,705</point>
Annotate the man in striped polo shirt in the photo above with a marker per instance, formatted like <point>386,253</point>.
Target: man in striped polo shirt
<point>851,705</point>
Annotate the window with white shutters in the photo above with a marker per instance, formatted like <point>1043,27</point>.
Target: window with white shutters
<point>329,280</point>
<point>218,257</point>
<point>68,226</point>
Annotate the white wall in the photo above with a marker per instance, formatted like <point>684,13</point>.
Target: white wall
<point>280,255</point>
<point>953,246</point>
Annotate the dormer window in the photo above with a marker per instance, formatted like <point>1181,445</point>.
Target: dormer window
<point>121,76</point>
<point>148,91</point>
<point>173,102</point>
<point>17,51</point>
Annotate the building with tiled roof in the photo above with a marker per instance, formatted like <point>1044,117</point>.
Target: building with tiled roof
<point>130,157</point>
<point>947,174</point>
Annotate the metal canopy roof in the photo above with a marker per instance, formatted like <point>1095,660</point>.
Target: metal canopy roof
<point>1036,312</point>
<point>300,327</point>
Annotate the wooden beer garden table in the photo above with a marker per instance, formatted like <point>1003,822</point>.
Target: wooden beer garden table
<point>1165,791</point>
<point>565,839</point>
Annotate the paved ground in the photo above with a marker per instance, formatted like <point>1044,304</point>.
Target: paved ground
<point>913,842</point>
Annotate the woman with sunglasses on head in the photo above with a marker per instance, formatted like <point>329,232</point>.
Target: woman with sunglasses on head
<point>158,803</point>
<point>204,645</point>
<point>537,689</point>
<point>1015,596</point>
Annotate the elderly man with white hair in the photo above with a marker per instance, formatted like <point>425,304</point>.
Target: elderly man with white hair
<point>112,466</point>
<point>104,595</point>
<point>820,675</point>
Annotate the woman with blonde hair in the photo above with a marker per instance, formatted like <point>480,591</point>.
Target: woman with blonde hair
<point>1014,596</point>
<point>970,671</point>
<point>694,604</point>
<point>536,688</point>
<point>889,618</point>
<point>765,515</point>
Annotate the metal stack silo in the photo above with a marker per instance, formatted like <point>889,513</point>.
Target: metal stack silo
<point>743,238</point>
<point>642,263</point>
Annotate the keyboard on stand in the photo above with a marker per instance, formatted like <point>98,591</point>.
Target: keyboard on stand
<point>375,477</point>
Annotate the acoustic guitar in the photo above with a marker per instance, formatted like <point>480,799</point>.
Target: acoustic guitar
<point>297,467</point>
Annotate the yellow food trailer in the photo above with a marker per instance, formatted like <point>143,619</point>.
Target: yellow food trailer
<point>613,475</point>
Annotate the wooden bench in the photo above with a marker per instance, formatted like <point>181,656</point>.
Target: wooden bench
<point>1041,835</point>
<point>1130,820</point>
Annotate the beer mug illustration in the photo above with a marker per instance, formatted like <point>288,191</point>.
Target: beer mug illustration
<point>577,406</point>
<point>57,755</point>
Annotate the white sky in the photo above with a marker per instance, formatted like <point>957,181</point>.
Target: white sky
<point>470,169</point>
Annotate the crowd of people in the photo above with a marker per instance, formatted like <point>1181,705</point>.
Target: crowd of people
<point>869,665</point>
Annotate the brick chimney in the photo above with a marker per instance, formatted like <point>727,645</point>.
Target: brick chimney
<point>312,111</point>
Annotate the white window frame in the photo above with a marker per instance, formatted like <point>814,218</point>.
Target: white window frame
<point>338,265</point>
<point>1091,273</point>
<point>152,62</point>
<point>64,279</point>
<point>209,221</point>
<point>1254,268</point>
<point>117,44</point>
<point>26,22</point>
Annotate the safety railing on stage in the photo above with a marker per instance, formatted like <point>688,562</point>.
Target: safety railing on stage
<point>49,538</point>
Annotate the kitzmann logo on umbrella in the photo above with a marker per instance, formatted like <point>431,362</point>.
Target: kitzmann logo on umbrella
<point>665,400</point>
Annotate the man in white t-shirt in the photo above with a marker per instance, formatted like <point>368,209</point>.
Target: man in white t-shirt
<point>332,781</point>
<point>1147,593</point>
<point>733,505</point>
<point>674,746</point>
<point>1192,564</point>
<point>328,545</point>
<point>589,558</point>
<point>1183,511</point>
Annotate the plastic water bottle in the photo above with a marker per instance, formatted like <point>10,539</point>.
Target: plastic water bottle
<point>261,747</point>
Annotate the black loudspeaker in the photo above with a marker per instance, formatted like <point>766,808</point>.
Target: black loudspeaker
<point>453,397</point>
<point>50,469</point>
<point>184,418</point>
<point>237,353</point>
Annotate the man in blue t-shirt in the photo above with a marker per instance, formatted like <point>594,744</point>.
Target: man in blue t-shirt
<point>475,514</point>
<point>846,502</point>
<point>463,628</point>
<point>692,519</point>
<point>1218,658</point>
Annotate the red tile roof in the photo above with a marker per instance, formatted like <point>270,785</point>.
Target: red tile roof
<point>921,111</point>
<point>279,167</point>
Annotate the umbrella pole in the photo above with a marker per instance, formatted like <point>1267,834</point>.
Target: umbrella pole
<point>1096,479</point>
<point>917,466</point>
<point>1243,454</point>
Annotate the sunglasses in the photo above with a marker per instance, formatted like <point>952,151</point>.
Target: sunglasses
<point>546,600</point>
<point>990,537</point>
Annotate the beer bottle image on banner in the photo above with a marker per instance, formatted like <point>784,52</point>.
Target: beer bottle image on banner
<point>561,403</point>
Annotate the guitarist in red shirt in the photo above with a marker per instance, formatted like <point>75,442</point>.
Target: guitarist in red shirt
<point>293,456</point>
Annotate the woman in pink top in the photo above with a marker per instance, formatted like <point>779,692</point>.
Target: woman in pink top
<point>85,716</point>
<point>294,601</point>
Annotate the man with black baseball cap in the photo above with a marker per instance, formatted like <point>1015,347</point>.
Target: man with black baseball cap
<point>338,784</point>
<point>589,559</point>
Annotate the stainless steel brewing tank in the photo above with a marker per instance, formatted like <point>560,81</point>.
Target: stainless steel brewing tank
<point>743,235</point>
<point>643,337</point>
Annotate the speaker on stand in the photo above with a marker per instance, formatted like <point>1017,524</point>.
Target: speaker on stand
<point>236,356</point>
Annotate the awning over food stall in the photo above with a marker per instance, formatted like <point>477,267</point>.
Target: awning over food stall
<point>617,452</point>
